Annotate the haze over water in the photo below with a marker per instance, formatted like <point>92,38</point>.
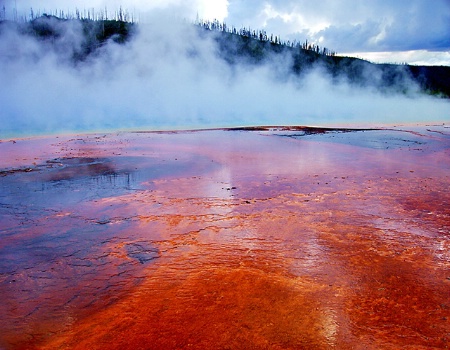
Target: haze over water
<point>169,77</point>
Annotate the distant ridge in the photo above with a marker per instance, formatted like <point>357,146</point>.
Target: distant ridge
<point>252,47</point>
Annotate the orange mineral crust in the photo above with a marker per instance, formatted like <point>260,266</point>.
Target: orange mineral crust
<point>253,238</point>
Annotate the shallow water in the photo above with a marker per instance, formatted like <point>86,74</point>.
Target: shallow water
<point>226,239</point>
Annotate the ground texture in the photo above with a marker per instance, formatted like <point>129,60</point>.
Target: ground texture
<point>263,238</point>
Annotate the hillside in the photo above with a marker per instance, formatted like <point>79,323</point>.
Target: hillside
<point>386,77</point>
<point>254,48</point>
<point>95,33</point>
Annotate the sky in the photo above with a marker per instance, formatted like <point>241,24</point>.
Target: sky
<point>400,31</point>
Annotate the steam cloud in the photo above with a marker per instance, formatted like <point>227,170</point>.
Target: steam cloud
<point>169,77</point>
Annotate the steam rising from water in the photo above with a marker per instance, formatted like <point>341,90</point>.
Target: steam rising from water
<point>167,77</point>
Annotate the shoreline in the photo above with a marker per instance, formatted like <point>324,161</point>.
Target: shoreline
<point>350,127</point>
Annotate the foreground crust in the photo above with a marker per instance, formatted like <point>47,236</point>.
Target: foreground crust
<point>280,238</point>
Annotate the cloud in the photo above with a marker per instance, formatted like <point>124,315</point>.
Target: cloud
<point>413,57</point>
<point>349,25</point>
<point>344,26</point>
<point>168,77</point>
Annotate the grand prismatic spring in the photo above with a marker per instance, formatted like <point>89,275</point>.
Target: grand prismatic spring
<point>263,238</point>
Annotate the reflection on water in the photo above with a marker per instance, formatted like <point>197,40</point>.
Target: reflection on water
<point>57,252</point>
<point>374,139</point>
<point>330,326</point>
<point>71,180</point>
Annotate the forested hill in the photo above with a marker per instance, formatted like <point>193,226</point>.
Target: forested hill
<point>435,80</point>
<point>253,47</point>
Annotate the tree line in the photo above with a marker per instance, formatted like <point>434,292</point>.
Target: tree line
<point>90,14</point>
<point>123,15</point>
<point>262,35</point>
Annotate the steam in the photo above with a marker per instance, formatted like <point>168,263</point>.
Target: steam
<point>169,77</point>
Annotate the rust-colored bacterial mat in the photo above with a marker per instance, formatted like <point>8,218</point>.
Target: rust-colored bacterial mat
<point>253,238</point>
